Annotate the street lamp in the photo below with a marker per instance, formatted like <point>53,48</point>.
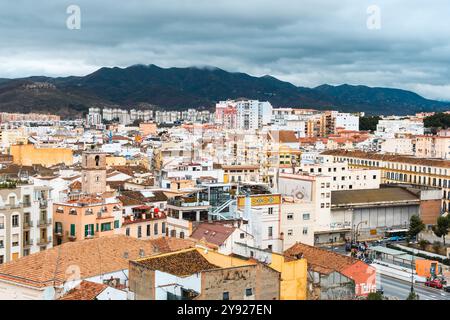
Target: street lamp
<point>356,230</point>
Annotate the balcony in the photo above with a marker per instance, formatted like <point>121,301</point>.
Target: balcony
<point>28,243</point>
<point>44,222</point>
<point>43,204</point>
<point>44,241</point>
<point>72,237</point>
<point>26,204</point>
<point>59,232</point>
<point>27,224</point>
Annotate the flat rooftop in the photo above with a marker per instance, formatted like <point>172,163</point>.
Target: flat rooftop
<point>382,195</point>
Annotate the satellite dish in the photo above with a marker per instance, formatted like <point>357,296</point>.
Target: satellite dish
<point>299,195</point>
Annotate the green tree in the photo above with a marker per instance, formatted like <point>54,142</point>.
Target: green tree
<point>441,227</point>
<point>423,244</point>
<point>368,123</point>
<point>416,226</point>
<point>438,120</point>
<point>413,296</point>
<point>375,296</point>
<point>437,246</point>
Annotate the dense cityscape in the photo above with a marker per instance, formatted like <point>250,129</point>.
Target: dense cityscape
<point>216,159</point>
<point>136,204</point>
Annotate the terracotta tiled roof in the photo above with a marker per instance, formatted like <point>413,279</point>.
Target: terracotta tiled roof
<point>183,263</point>
<point>86,290</point>
<point>93,257</point>
<point>128,201</point>
<point>283,136</point>
<point>213,232</point>
<point>321,260</point>
<point>158,196</point>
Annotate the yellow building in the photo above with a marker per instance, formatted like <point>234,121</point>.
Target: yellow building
<point>28,154</point>
<point>115,161</point>
<point>293,284</point>
<point>293,276</point>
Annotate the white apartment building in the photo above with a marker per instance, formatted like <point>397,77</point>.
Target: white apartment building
<point>94,117</point>
<point>263,213</point>
<point>437,146</point>
<point>190,171</point>
<point>389,128</point>
<point>26,223</point>
<point>123,116</point>
<point>341,176</point>
<point>249,114</point>
<point>348,121</point>
<point>400,145</point>
<point>297,222</point>
<point>310,188</point>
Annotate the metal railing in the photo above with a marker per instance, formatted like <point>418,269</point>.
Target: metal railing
<point>47,240</point>
<point>27,224</point>
<point>44,222</point>
<point>43,204</point>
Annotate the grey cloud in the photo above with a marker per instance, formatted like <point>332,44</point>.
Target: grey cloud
<point>306,42</point>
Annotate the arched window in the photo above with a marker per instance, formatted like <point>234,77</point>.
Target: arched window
<point>97,160</point>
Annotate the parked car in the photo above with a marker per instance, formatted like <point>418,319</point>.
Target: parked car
<point>447,288</point>
<point>434,284</point>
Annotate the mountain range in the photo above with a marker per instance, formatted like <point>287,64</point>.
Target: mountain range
<point>150,86</point>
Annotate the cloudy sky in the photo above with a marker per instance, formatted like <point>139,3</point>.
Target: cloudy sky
<point>305,42</point>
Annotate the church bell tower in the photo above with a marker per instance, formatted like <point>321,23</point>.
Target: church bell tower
<point>93,172</point>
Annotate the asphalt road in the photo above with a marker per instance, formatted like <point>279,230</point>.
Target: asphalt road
<point>401,289</point>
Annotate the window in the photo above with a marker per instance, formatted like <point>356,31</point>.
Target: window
<point>15,221</point>
<point>290,216</point>
<point>148,230</point>
<point>2,259</point>
<point>270,211</point>
<point>139,232</point>
<point>15,240</point>
<point>270,232</point>
<point>155,229</point>
<point>306,216</point>
<point>58,227</point>
<point>305,230</point>
<point>116,224</point>
<point>290,232</point>
<point>105,226</point>
<point>248,292</point>
<point>26,200</point>
<point>226,295</point>
<point>127,232</point>
<point>89,230</point>
<point>242,235</point>
<point>72,230</point>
